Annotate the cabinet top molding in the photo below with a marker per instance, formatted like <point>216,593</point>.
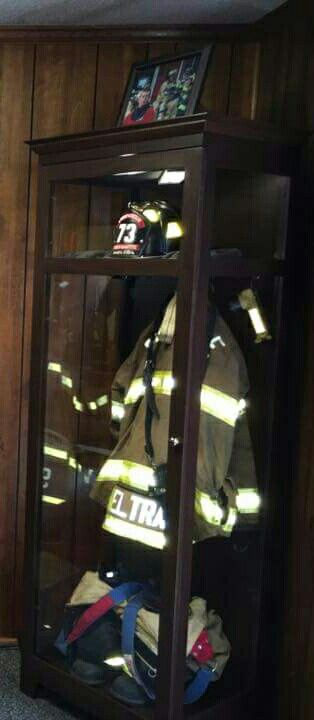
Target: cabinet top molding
<point>200,126</point>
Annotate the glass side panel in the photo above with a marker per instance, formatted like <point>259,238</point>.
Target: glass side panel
<point>232,486</point>
<point>250,214</point>
<point>104,451</point>
<point>129,213</point>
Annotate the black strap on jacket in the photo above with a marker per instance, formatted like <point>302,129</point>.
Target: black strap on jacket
<point>151,407</point>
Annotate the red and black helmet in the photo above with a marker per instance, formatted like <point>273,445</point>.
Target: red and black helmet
<point>146,229</point>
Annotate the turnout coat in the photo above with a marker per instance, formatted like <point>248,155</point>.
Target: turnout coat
<point>132,481</point>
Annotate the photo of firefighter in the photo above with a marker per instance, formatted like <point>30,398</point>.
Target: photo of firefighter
<point>161,91</point>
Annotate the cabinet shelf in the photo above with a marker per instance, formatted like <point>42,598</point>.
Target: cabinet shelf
<point>51,674</point>
<point>218,267</point>
<point>112,266</point>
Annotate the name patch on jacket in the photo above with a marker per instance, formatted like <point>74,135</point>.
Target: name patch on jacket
<point>136,508</point>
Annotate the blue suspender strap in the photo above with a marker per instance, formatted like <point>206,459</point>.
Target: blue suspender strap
<point>202,678</point>
<point>198,686</point>
<point>115,597</point>
<point>124,592</point>
<point>127,642</point>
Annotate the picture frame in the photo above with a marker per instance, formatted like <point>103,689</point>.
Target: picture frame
<point>164,88</point>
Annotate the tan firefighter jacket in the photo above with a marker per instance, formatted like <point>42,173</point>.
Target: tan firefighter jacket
<point>226,478</point>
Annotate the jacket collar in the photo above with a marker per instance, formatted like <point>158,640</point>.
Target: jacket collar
<point>167,328</point>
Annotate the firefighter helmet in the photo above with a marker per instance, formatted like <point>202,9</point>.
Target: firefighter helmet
<point>147,228</point>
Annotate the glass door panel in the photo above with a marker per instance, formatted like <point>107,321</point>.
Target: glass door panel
<point>232,485</point>
<point>104,453</point>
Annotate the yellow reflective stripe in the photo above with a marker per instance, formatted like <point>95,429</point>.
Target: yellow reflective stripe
<point>74,464</point>
<point>67,381</point>
<point>222,406</point>
<point>102,400</point>
<point>130,473</point>
<point>98,402</point>
<point>55,367</point>
<point>163,382</point>
<point>152,214</point>
<point>115,661</point>
<point>208,508</point>
<point>77,404</point>
<point>211,511</point>
<point>117,411</point>
<point>214,402</point>
<point>153,538</point>
<point>54,452</point>
<point>135,391</point>
<point>257,321</point>
<point>231,521</point>
<point>174,230</point>
<point>248,501</point>
<point>51,500</point>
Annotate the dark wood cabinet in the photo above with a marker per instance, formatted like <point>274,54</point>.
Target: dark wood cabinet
<point>236,196</point>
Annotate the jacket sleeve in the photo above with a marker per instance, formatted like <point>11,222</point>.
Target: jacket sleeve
<point>223,391</point>
<point>242,473</point>
<point>120,415</point>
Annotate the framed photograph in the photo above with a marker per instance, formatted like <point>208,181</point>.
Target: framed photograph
<point>164,88</point>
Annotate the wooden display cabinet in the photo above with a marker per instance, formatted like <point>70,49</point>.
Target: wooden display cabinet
<point>235,198</point>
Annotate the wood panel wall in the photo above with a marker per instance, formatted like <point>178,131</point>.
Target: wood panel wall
<point>52,87</point>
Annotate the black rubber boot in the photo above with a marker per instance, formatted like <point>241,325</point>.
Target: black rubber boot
<point>89,672</point>
<point>126,689</point>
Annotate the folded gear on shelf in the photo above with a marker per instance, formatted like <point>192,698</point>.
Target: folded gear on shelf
<point>112,626</point>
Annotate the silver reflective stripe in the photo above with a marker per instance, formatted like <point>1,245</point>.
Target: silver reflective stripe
<point>135,516</point>
<point>248,501</point>
<point>123,528</point>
